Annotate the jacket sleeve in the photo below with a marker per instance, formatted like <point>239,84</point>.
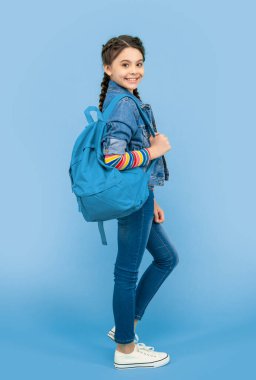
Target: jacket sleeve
<point>120,127</point>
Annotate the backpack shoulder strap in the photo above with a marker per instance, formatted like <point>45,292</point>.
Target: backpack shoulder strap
<point>102,233</point>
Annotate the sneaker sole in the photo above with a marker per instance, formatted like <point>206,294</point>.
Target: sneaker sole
<point>155,364</point>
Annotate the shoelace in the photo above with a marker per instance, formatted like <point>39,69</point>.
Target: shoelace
<point>143,346</point>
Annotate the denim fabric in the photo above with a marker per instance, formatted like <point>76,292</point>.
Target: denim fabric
<point>136,232</point>
<point>126,130</point>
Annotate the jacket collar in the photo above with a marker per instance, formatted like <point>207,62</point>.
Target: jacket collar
<point>114,87</point>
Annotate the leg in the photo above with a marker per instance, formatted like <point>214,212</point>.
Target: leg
<point>133,233</point>
<point>128,347</point>
<point>165,259</point>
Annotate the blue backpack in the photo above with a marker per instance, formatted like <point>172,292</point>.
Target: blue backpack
<point>104,192</point>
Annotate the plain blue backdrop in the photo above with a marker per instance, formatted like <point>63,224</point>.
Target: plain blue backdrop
<point>56,277</point>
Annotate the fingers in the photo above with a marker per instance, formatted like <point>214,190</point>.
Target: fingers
<point>159,216</point>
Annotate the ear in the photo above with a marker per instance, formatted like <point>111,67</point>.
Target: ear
<point>107,69</point>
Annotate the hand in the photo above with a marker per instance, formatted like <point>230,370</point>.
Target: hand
<point>159,145</point>
<point>158,213</point>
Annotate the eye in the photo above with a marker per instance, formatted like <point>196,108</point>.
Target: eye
<point>125,64</point>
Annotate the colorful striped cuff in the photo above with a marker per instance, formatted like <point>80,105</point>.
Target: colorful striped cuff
<point>129,159</point>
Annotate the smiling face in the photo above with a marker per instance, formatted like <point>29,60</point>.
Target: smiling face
<point>127,69</point>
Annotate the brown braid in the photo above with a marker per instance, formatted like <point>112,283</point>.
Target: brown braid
<point>104,88</point>
<point>136,93</point>
<point>109,52</point>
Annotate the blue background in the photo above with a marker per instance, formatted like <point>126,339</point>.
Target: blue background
<point>56,277</point>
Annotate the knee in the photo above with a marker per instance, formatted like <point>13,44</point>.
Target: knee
<point>125,277</point>
<point>172,261</point>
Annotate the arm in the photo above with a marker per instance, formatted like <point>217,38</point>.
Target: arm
<point>121,126</point>
<point>129,159</point>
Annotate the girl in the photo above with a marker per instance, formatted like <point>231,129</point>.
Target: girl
<point>127,143</point>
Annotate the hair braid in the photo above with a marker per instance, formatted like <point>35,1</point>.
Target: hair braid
<point>104,88</point>
<point>136,93</point>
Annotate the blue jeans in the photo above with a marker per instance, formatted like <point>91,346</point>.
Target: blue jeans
<point>136,232</point>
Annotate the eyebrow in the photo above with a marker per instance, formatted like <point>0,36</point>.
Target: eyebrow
<point>127,60</point>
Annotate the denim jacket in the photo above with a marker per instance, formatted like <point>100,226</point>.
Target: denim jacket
<point>126,130</point>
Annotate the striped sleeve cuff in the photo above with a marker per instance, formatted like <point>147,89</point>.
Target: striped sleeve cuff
<point>131,159</point>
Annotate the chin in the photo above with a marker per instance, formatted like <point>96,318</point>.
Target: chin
<point>132,86</point>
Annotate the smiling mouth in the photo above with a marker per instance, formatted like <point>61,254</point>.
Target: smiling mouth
<point>132,79</point>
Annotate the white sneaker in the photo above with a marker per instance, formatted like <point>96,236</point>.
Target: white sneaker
<point>142,356</point>
<point>111,334</point>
